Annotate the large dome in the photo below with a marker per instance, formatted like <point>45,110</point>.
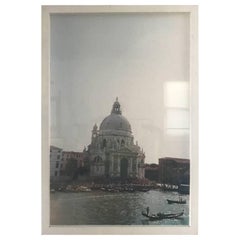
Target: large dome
<point>115,121</point>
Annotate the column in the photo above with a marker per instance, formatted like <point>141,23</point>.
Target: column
<point>111,159</point>
<point>118,166</point>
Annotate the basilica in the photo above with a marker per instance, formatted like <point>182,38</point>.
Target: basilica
<point>112,152</point>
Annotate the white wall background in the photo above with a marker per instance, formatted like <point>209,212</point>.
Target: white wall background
<point>21,113</point>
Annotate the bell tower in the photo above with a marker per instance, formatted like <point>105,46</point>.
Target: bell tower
<point>94,132</point>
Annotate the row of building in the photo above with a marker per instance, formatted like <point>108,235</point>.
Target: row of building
<point>68,164</point>
<point>64,163</point>
<point>114,154</point>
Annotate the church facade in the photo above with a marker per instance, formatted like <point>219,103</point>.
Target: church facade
<point>112,152</point>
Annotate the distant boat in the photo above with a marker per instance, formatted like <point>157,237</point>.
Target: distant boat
<point>161,216</point>
<point>143,190</point>
<point>180,201</point>
<point>84,189</point>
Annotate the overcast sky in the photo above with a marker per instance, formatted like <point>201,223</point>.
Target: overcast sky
<point>143,59</point>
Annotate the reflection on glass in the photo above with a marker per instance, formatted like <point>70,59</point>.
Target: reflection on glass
<point>176,103</point>
<point>176,94</point>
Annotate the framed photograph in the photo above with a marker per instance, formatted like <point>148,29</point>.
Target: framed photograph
<point>119,120</point>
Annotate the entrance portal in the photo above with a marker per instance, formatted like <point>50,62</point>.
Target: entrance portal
<point>124,168</point>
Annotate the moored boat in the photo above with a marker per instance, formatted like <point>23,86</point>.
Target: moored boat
<point>180,201</point>
<point>83,189</point>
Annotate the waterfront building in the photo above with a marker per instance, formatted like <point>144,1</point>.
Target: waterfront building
<point>77,156</point>
<point>152,172</point>
<point>55,162</point>
<point>71,162</point>
<point>112,152</point>
<point>174,170</point>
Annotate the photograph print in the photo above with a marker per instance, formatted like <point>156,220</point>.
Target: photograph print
<point>120,118</point>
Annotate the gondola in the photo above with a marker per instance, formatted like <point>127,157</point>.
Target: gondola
<point>180,201</point>
<point>161,216</point>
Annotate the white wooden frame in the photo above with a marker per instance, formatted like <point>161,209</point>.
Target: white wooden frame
<point>192,228</point>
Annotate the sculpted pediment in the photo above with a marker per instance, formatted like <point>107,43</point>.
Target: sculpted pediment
<point>126,150</point>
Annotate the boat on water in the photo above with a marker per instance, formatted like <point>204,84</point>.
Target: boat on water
<point>180,201</point>
<point>161,216</point>
<point>76,189</point>
<point>83,189</point>
<point>143,190</point>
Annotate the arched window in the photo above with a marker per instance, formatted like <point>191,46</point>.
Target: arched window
<point>104,143</point>
<point>97,159</point>
<point>122,143</point>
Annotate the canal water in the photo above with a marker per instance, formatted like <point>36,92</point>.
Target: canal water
<point>103,208</point>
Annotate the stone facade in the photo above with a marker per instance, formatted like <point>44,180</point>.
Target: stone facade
<point>112,152</point>
<point>78,156</point>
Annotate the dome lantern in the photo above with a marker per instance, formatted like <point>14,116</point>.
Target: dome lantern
<point>116,107</point>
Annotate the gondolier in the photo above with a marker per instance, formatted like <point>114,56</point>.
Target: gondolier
<point>147,210</point>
